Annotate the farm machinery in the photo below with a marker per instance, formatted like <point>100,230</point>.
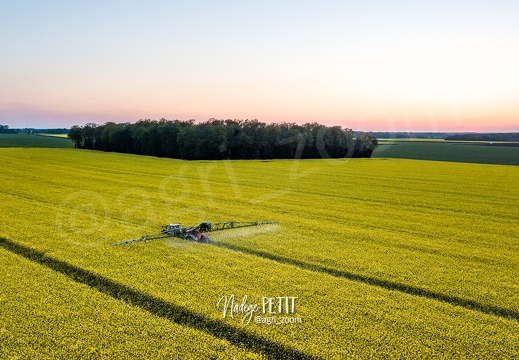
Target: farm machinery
<point>194,233</point>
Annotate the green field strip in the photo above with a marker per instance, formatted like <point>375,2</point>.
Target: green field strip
<point>384,284</point>
<point>33,141</point>
<point>157,306</point>
<point>449,152</point>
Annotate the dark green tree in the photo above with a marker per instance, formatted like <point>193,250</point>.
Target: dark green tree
<point>75,134</point>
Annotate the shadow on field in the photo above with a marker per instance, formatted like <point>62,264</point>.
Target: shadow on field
<point>385,284</point>
<point>157,306</point>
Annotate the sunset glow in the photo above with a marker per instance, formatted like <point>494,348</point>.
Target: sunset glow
<point>364,65</point>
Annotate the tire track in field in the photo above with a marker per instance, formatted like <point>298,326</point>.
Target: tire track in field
<point>384,284</point>
<point>159,307</point>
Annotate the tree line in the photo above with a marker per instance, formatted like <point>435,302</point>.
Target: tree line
<point>4,129</point>
<point>223,139</point>
<point>485,137</point>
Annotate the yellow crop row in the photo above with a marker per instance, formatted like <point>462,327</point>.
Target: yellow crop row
<point>46,315</point>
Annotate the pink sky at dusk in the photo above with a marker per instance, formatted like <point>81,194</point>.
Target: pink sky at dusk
<point>367,66</point>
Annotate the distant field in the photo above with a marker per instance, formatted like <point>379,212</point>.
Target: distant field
<point>457,151</point>
<point>388,258</point>
<point>34,141</point>
<point>64,136</point>
<point>417,149</point>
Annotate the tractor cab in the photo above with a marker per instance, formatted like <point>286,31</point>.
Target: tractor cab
<point>204,226</point>
<point>171,229</point>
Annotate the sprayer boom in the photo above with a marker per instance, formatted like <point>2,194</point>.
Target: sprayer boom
<point>193,233</point>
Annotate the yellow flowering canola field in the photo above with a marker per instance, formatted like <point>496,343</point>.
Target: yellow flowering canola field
<point>384,258</point>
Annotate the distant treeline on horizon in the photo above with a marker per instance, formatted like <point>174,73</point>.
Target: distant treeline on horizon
<point>224,139</point>
<point>407,135</point>
<point>4,129</point>
<point>466,136</point>
<point>485,137</point>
